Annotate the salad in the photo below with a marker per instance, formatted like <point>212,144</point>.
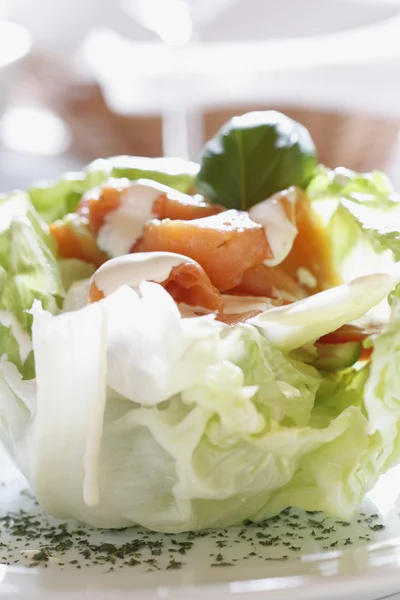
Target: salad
<point>186,345</point>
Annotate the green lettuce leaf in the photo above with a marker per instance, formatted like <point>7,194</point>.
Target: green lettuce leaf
<point>28,272</point>
<point>73,270</point>
<point>381,399</point>
<point>53,200</point>
<point>28,267</point>
<point>338,391</point>
<point>362,217</point>
<point>286,386</point>
<point>379,221</point>
<point>344,183</point>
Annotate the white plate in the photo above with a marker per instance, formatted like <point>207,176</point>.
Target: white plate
<point>325,558</point>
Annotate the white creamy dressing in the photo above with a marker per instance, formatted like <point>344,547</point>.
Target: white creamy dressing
<point>306,278</point>
<point>124,225</point>
<point>112,182</point>
<point>285,295</point>
<point>133,269</point>
<point>21,336</point>
<point>280,232</point>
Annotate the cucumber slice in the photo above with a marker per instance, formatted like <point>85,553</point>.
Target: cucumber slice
<point>334,357</point>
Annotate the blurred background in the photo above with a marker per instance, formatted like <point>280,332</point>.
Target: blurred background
<point>80,79</point>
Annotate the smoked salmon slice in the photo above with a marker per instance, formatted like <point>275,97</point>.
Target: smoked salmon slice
<point>351,333</point>
<point>98,202</point>
<point>165,202</point>
<point>169,206</point>
<point>306,266</point>
<point>75,240</point>
<point>310,260</point>
<point>230,246</point>
<point>187,283</point>
<point>270,282</point>
<point>225,245</point>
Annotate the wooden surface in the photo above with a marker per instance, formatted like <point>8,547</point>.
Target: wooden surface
<point>359,142</point>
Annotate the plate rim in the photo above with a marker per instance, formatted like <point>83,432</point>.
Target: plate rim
<point>382,574</point>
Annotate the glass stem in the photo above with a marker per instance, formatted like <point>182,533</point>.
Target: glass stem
<point>182,131</point>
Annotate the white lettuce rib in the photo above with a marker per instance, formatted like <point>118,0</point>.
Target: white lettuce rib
<point>70,355</point>
<point>291,326</point>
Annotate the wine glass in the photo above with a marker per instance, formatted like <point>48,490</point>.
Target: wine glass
<point>178,23</point>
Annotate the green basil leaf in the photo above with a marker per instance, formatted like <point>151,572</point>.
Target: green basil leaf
<point>253,156</point>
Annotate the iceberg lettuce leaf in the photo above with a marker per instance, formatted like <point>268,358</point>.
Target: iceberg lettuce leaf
<point>362,217</point>
<point>54,199</point>
<point>246,432</point>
